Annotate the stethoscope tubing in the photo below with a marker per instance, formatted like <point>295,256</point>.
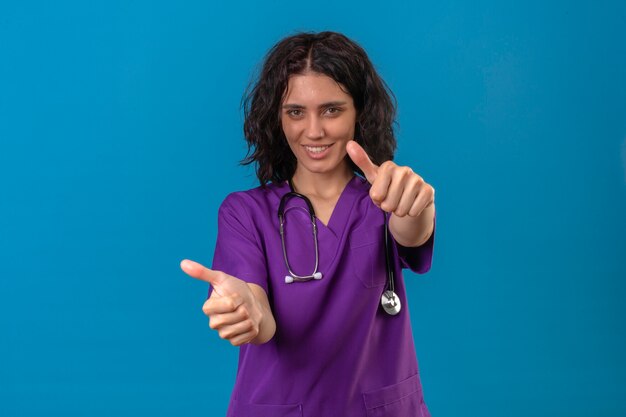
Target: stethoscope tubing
<point>389,300</point>
<point>281,216</point>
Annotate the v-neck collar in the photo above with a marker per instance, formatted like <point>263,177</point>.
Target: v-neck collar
<point>341,211</point>
<point>339,216</point>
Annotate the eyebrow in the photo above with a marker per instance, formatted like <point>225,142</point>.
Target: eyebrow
<point>321,106</point>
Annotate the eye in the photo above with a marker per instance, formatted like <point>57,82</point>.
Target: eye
<point>333,111</point>
<point>294,113</point>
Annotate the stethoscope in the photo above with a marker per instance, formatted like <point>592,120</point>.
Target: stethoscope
<point>389,300</point>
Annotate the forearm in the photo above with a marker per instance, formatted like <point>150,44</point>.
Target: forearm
<point>267,325</point>
<point>413,231</point>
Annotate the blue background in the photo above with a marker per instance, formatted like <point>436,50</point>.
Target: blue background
<point>120,134</point>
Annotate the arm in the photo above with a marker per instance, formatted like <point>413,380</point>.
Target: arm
<point>400,191</point>
<point>247,317</point>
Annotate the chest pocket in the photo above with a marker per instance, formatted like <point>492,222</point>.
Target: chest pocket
<point>367,248</point>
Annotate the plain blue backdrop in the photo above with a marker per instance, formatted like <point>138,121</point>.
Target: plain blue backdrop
<point>120,134</point>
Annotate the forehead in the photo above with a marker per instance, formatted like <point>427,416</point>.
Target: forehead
<point>314,88</point>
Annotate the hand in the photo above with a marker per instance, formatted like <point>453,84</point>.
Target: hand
<point>395,189</point>
<point>232,308</point>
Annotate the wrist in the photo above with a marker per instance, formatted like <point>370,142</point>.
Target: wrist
<point>264,316</point>
<point>413,231</point>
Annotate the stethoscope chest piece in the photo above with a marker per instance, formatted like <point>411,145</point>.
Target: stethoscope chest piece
<point>391,302</point>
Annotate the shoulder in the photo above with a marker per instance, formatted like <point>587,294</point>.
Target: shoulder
<point>251,212</point>
<point>254,200</point>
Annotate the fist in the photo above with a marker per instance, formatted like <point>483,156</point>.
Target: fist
<point>233,309</point>
<point>395,189</point>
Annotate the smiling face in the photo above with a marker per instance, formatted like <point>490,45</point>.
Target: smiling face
<point>318,119</point>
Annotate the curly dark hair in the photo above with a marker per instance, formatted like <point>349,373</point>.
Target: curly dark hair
<point>341,59</point>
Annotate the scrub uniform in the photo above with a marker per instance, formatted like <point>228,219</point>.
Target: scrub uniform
<point>335,351</point>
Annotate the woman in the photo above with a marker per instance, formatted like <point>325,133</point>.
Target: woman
<point>306,307</point>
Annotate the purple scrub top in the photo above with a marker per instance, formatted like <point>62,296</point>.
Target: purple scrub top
<point>335,351</point>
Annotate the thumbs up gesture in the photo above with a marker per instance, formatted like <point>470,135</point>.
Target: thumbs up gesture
<point>395,189</point>
<point>239,311</point>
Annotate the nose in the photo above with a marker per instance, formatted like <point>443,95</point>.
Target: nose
<point>314,129</point>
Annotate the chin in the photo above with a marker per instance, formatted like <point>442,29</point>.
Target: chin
<point>322,168</point>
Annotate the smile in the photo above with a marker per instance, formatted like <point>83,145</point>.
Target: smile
<point>316,149</point>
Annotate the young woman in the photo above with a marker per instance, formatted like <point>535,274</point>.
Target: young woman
<point>317,303</point>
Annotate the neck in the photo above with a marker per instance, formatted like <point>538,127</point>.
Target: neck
<point>327,185</point>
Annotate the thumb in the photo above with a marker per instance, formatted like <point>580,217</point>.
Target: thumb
<point>362,160</point>
<point>201,272</point>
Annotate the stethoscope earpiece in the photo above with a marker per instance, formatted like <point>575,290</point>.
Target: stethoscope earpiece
<point>289,278</point>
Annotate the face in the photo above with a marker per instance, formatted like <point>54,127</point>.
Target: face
<point>318,119</point>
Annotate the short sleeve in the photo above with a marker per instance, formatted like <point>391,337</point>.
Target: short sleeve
<point>418,259</point>
<point>238,251</point>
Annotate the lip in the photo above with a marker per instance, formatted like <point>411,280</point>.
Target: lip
<point>317,155</point>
